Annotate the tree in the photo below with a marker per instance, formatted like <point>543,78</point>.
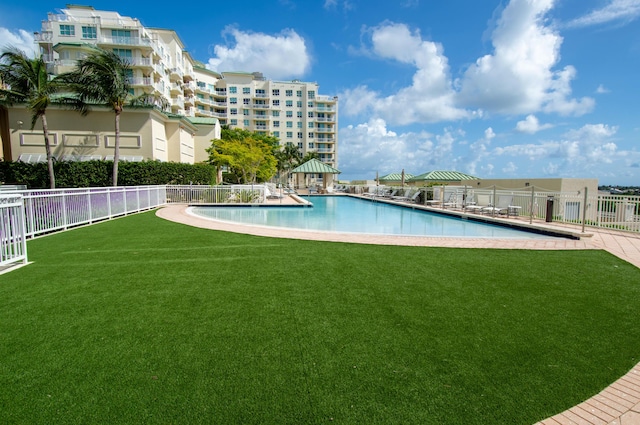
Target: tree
<point>25,80</point>
<point>249,155</point>
<point>103,77</point>
<point>309,156</point>
<point>288,158</point>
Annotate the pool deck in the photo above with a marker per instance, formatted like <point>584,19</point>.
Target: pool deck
<point>618,404</point>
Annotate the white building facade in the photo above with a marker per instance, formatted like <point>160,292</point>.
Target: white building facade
<point>292,111</point>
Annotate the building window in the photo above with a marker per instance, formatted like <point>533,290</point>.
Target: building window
<point>276,134</point>
<point>289,93</point>
<point>246,90</point>
<point>246,123</point>
<point>310,125</point>
<point>312,145</point>
<point>299,114</point>
<point>276,123</point>
<point>289,124</point>
<point>124,53</point>
<point>311,137</point>
<point>300,135</point>
<point>246,101</point>
<point>276,113</point>
<point>299,93</point>
<point>299,124</point>
<point>233,100</point>
<point>233,89</point>
<point>275,102</point>
<point>261,93</point>
<point>311,94</point>
<point>233,111</point>
<point>275,92</point>
<point>289,103</point>
<point>289,134</point>
<point>310,105</point>
<point>121,36</point>
<point>310,114</point>
<point>289,114</point>
<point>67,30</point>
<point>89,32</point>
<point>300,145</point>
<point>234,121</point>
<point>299,104</point>
<point>245,112</point>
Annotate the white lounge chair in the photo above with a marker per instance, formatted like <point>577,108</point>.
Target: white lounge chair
<point>484,201</point>
<point>503,205</point>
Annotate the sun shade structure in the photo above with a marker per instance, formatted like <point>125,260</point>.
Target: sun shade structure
<point>314,166</point>
<point>440,177</point>
<point>395,177</point>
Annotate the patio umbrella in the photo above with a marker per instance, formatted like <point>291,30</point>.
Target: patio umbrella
<point>402,178</point>
<point>377,179</point>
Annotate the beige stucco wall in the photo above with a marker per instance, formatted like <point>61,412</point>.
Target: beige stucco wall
<point>203,138</point>
<point>546,184</point>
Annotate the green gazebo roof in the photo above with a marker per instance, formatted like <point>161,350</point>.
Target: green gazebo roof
<point>315,166</point>
<point>395,177</point>
<point>442,176</point>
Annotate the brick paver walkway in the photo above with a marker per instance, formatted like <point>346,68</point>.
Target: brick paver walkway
<point>618,404</point>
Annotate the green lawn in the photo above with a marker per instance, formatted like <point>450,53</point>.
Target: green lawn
<point>140,320</point>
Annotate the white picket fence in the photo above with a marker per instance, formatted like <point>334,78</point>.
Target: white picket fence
<point>13,239</point>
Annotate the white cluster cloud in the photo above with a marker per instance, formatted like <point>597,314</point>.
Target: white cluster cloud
<point>623,11</point>
<point>280,56</point>
<point>518,77</point>
<point>22,40</point>
<point>531,125</point>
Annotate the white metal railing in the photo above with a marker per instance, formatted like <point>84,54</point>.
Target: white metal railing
<point>13,238</point>
<point>59,209</point>
<point>236,193</point>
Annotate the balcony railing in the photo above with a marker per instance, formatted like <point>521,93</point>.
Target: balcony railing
<point>125,41</point>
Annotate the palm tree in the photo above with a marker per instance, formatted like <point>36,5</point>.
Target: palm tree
<point>102,77</point>
<point>26,81</point>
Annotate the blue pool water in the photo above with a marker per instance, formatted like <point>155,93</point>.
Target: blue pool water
<point>352,215</point>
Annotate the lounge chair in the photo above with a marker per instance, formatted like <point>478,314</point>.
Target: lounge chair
<point>271,192</point>
<point>484,201</point>
<point>405,195</point>
<point>453,200</point>
<point>503,205</point>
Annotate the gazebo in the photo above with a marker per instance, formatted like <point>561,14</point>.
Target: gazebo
<point>395,178</point>
<point>440,177</point>
<point>314,166</point>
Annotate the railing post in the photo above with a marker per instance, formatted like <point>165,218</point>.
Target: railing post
<point>89,205</point>
<point>584,209</point>
<point>64,209</point>
<point>533,197</point>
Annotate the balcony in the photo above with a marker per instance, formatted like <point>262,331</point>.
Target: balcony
<point>175,88</point>
<point>190,112</point>
<point>220,92</point>
<point>261,117</point>
<point>219,114</point>
<point>219,104</point>
<point>325,130</point>
<point>325,108</point>
<point>325,140</point>
<point>325,119</point>
<point>140,81</point>
<point>141,62</point>
<point>189,101</point>
<point>324,150</point>
<point>125,41</point>
<point>43,36</point>
<point>189,87</point>
<point>261,106</point>
<point>261,127</point>
<point>330,99</point>
<point>176,74</point>
<point>177,102</point>
<point>260,95</point>
<point>203,101</point>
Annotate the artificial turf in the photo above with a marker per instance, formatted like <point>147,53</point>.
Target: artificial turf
<point>140,320</point>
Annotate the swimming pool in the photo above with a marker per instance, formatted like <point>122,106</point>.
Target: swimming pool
<point>352,215</point>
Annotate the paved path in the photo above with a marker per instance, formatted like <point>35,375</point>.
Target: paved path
<point>618,404</point>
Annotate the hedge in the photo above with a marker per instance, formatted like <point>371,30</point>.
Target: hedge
<point>99,173</point>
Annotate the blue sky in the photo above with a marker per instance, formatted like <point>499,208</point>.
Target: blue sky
<point>497,89</point>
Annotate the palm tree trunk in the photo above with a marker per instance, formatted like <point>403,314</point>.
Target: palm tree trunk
<point>47,147</point>
<point>116,151</point>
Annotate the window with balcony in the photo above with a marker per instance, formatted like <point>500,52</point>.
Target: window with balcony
<point>89,32</point>
<point>121,36</point>
<point>126,54</point>
<point>275,92</point>
<point>67,30</point>
<point>233,89</point>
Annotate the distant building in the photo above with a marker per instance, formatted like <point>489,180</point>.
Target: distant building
<point>199,100</point>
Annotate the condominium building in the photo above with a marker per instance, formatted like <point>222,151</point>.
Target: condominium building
<point>197,100</point>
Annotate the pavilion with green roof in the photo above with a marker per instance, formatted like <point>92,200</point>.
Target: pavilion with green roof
<point>440,177</point>
<point>314,166</point>
<point>394,178</point>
